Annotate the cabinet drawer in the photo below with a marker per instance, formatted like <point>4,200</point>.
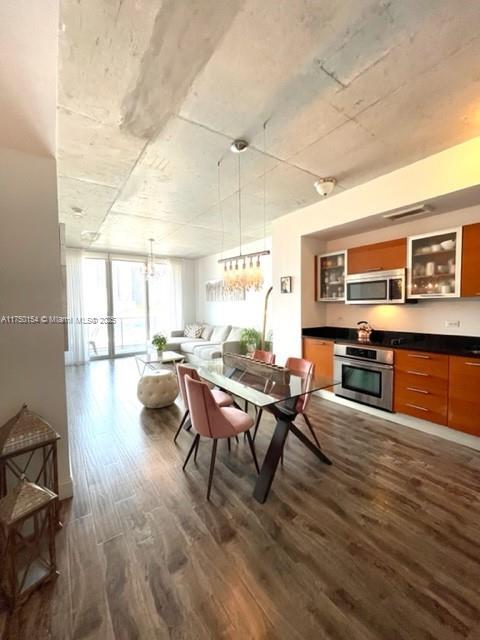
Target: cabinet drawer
<point>424,384</point>
<point>418,409</point>
<point>428,401</point>
<point>464,395</point>
<point>422,364</point>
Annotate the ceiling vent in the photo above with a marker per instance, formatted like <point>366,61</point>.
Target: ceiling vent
<point>407,213</point>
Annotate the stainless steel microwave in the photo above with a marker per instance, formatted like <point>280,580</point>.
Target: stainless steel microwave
<point>379,287</point>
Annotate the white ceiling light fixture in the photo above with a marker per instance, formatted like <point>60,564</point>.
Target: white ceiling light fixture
<point>90,236</point>
<point>325,186</point>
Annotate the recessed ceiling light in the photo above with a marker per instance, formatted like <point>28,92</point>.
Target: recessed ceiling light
<point>325,186</point>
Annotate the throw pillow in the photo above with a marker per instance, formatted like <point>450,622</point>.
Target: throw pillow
<point>235,334</point>
<point>207,332</point>
<point>220,334</point>
<point>193,331</point>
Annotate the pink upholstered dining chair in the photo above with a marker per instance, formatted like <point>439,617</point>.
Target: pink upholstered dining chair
<point>265,356</point>
<point>212,421</point>
<point>306,369</point>
<point>221,398</point>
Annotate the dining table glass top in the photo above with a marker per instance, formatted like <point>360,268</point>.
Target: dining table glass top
<point>261,386</point>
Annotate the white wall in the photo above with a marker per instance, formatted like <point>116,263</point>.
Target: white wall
<point>448,171</point>
<point>31,355</point>
<point>243,313</point>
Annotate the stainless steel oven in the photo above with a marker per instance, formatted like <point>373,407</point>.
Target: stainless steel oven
<point>380,287</point>
<point>365,374</point>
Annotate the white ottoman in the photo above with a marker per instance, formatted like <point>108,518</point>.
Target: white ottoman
<point>157,389</point>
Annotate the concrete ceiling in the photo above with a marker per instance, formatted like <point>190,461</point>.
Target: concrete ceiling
<point>152,92</point>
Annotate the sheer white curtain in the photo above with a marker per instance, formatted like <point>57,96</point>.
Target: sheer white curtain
<point>166,297</point>
<point>77,331</point>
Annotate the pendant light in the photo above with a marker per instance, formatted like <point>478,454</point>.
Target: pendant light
<point>243,271</point>
<point>149,267</point>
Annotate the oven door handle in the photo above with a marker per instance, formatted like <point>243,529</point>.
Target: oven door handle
<point>353,362</point>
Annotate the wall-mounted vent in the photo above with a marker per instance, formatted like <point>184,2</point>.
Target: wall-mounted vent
<point>407,213</point>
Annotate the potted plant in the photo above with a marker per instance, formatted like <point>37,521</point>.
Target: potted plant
<point>249,338</point>
<point>159,341</point>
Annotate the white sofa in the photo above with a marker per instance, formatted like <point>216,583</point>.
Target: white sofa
<point>215,340</point>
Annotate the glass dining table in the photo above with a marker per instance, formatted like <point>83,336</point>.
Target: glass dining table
<point>276,390</point>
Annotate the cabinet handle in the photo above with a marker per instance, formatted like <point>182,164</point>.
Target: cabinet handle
<point>419,373</point>
<point>472,364</point>
<point>418,390</point>
<point>415,406</point>
<point>416,355</point>
<point>374,269</point>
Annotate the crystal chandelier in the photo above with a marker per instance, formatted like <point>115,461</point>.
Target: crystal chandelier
<point>243,271</point>
<point>149,270</point>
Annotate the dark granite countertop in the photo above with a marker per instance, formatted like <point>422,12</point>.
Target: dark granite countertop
<point>468,346</point>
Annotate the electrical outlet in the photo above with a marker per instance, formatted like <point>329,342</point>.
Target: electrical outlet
<point>452,323</point>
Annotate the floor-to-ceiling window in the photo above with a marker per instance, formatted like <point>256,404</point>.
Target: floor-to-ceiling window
<point>115,287</point>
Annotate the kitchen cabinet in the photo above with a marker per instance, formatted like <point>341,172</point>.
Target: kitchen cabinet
<point>421,385</point>
<point>471,260</point>
<point>330,276</point>
<point>382,256</point>
<point>434,264</point>
<point>320,352</point>
<point>463,392</point>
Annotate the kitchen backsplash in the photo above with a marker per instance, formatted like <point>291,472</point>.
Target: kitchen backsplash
<point>429,316</point>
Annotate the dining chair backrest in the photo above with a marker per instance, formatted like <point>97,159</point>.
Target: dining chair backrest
<point>207,418</point>
<point>306,370</point>
<point>264,356</point>
<point>182,371</point>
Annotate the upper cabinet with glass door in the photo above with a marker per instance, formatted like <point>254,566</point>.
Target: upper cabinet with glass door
<point>331,269</point>
<point>434,264</point>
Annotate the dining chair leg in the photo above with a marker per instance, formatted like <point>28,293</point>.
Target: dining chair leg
<point>236,439</point>
<point>229,445</point>
<point>212,467</point>
<point>310,427</point>
<point>246,406</point>
<point>194,444</point>
<point>252,449</point>
<point>196,449</point>
<point>185,416</point>
<point>257,422</point>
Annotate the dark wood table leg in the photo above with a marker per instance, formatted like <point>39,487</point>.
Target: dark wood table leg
<point>270,463</point>
<point>309,444</point>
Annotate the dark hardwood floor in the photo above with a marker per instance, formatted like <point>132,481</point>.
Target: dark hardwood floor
<point>383,545</point>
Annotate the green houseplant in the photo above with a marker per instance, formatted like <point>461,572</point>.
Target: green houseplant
<point>159,341</point>
<point>249,339</point>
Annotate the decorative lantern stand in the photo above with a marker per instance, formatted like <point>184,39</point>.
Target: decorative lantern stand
<point>28,447</point>
<point>27,540</point>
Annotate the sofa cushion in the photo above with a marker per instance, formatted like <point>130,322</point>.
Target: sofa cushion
<point>235,334</point>
<point>220,334</point>
<point>207,332</point>
<point>176,341</point>
<point>193,331</point>
<point>189,345</point>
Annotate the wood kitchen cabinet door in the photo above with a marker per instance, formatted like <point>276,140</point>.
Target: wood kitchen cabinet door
<point>471,260</point>
<point>321,353</point>
<point>382,256</point>
<point>464,394</point>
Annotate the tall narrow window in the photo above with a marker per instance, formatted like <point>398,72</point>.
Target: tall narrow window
<point>129,306</point>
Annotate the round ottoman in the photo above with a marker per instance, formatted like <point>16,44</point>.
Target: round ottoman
<point>157,389</point>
